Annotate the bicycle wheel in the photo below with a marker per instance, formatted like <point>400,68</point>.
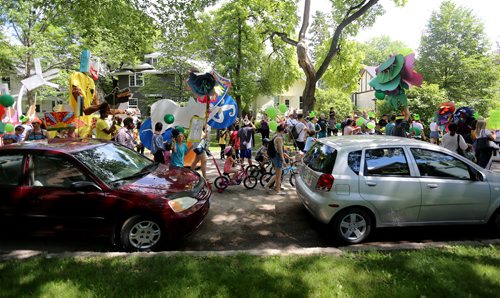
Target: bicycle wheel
<point>250,182</point>
<point>252,170</point>
<point>292,179</point>
<point>221,182</point>
<point>264,179</point>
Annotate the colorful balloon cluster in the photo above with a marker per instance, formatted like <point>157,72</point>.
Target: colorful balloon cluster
<point>394,76</point>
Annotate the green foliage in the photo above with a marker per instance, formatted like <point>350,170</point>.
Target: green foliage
<point>233,39</point>
<point>343,73</point>
<point>332,97</point>
<point>453,54</point>
<point>424,100</point>
<point>378,49</point>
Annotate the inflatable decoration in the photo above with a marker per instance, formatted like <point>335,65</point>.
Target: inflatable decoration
<point>360,121</point>
<point>224,110</point>
<point>9,127</point>
<point>282,108</point>
<point>312,114</point>
<point>271,112</point>
<point>169,118</point>
<point>273,125</point>
<point>394,76</point>
<point>146,133</point>
<point>6,100</point>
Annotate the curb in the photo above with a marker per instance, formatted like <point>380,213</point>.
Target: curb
<point>330,251</point>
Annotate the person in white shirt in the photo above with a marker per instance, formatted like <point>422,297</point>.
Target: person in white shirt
<point>301,129</point>
<point>434,135</point>
<point>452,140</point>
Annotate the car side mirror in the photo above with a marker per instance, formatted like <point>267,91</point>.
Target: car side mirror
<point>85,186</point>
<point>478,176</point>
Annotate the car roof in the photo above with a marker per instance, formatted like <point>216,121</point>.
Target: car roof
<point>59,145</point>
<point>358,142</point>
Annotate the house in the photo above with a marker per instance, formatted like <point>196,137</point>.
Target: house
<point>364,98</point>
<point>291,97</point>
<point>132,76</point>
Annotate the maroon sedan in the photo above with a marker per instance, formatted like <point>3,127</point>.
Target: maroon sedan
<point>100,186</point>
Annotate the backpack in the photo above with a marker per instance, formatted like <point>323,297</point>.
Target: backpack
<point>294,134</point>
<point>271,149</point>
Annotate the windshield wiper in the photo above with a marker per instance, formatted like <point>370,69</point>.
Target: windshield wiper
<point>146,170</point>
<point>149,168</point>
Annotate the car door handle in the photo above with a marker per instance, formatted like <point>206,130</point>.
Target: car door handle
<point>371,183</point>
<point>432,185</point>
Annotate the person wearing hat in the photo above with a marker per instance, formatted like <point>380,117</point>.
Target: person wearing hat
<point>401,127</point>
<point>27,127</point>
<point>417,128</point>
<point>9,139</point>
<point>37,133</point>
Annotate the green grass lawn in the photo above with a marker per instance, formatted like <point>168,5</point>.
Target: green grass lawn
<point>451,272</point>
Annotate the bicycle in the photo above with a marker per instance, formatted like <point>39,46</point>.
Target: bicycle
<point>223,181</point>
<point>291,169</point>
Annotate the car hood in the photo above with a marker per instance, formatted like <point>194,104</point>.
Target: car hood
<point>165,181</point>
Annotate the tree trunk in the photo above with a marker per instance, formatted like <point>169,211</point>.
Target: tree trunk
<point>307,66</point>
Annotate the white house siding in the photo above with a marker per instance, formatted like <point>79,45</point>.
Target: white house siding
<point>363,98</point>
<point>293,95</point>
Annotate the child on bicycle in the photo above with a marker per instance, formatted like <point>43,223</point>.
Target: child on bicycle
<point>229,163</point>
<point>261,155</point>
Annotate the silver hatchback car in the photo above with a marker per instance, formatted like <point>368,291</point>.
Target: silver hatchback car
<point>358,183</point>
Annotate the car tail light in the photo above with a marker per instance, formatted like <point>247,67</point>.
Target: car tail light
<point>325,182</point>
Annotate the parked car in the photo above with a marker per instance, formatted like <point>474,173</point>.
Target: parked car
<point>102,187</point>
<point>358,183</point>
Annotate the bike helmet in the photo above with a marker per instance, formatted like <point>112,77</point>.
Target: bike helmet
<point>227,150</point>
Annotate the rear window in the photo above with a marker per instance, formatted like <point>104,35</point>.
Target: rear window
<point>354,161</point>
<point>321,158</point>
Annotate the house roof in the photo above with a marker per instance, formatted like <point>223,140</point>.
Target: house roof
<point>371,70</point>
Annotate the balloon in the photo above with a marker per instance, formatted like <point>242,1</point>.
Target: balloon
<point>360,121</point>
<point>2,127</point>
<point>282,108</point>
<point>312,114</point>
<point>271,112</point>
<point>6,100</point>
<point>169,118</point>
<point>273,125</point>
<point>23,118</point>
<point>2,112</point>
<point>380,95</point>
<point>370,125</point>
<point>180,129</point>
<point>338,126</point>
<point>9,127</point>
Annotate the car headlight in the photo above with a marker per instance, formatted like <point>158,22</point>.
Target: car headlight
<point>182,203</point>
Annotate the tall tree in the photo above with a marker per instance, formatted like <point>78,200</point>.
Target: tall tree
<point>348,16</point>
<point>115,30</point>
<point>233,38</point>
<point>453,54</point>
<point>378,49</point>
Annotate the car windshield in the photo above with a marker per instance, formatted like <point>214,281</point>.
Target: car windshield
<point>112,163</point>
<point>321,158</point>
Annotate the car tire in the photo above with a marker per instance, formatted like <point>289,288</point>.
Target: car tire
<point>494,222</point>
<point>221,182</point>
<point>141,233</point>
<point>250,182</point>
<point>352,226</point>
